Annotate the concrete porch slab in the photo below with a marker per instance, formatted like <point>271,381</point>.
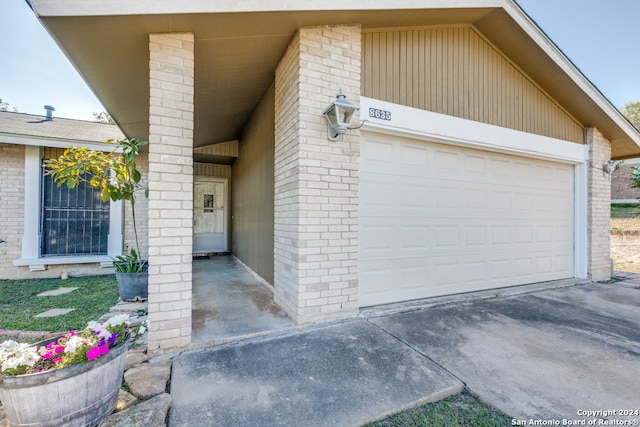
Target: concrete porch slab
<point>230,302</point>
<point>340,375</point>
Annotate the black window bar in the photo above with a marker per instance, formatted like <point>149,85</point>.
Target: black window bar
<point>74,221</point>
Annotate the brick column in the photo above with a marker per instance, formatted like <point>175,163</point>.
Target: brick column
<point>316,180</point>
<point>598,208</point>
<point>170,190</point>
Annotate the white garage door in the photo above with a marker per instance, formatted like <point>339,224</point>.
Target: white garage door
<point>438,219</point>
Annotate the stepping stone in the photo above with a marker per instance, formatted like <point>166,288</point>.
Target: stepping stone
<point>56,292</point>
<point>134,359</point>
<point>55,312</point>
<point>129,307</point>
<point>149,379</point>
<point>125,401</point>
<point>153,412</point>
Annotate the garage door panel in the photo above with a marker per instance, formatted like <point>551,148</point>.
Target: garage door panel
<point>438,219</point>
<point>412,155</point>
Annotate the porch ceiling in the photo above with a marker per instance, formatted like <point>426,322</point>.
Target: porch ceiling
<point>237,51</point>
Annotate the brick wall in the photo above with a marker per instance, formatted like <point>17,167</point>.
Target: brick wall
<point>621,188</point>
<point>598,208</point>
<point>316,180</point>
<point>170,227</point>
<point>142,206</point>
<point>11,209</point>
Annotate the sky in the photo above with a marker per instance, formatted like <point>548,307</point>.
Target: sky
<point>598,36</point>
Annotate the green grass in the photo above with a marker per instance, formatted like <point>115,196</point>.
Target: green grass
<point>19,303</point>
<point>454,411</point>
<point>628,210</point>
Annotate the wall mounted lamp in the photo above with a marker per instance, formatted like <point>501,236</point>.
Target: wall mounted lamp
<point>339,116</point>
<point>610,167</point>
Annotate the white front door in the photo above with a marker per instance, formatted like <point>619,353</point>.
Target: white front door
<point>209,215</point>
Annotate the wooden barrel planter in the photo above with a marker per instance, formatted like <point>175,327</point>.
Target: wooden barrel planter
<point>78,395</point>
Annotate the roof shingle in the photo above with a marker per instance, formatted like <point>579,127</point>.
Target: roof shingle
<point>58,128</point>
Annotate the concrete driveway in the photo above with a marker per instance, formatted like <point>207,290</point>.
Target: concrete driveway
<point>540,356</point>
<point>546,355</point>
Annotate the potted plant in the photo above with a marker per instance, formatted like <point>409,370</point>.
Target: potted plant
<point>116,175</point>
<point>72,380</point>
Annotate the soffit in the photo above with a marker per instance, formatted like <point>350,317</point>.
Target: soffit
<point>236,55</point>
<point>235,58</point>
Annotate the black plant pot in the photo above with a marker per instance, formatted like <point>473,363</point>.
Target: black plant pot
<point>133,286</point>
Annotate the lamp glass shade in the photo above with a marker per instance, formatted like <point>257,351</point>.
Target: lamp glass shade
<point>340,113</point>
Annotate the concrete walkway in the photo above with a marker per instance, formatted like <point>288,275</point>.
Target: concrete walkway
<point>548,355</point>
<point>339,375</point>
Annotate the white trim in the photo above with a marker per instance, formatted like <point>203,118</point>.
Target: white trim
<point>116,225</point>
<point>30,255</point>
<point>428,126</point>
<point>633,161</point>
<point>103,260</point>
<point>39,141</point>
<point>624,201</point>
<point>435,127</point>
<point>44,8</point>
<point>31,236</point>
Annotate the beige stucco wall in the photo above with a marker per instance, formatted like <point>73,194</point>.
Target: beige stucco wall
<point>253,191</point>
<point>456,71</point>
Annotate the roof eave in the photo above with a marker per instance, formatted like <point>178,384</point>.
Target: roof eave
<point>68,8</point>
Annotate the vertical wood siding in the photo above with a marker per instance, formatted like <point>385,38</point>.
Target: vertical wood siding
<point>211,170</point>
<point>455,71</point>
<point>229,148</point>
<point>253,196</point>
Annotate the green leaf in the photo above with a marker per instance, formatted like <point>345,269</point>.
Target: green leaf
<point>104,194</point>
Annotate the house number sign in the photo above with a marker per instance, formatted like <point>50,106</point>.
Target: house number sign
<point>379,114</point>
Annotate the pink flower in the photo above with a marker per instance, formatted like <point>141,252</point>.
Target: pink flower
<point>59,349</point>
<point>50,345</point>
<point>72,333</point>
<point>57,360</point>
<point>93,354</point>
<point>47,355</point>
<point>104,349</point>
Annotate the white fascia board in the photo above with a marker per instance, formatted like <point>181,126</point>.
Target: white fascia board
<point>435,127</point>
<point>545,43</point>
<point>39,141</point>
<point>49,8</point>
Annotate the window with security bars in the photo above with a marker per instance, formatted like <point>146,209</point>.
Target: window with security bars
<point>74,221</point>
